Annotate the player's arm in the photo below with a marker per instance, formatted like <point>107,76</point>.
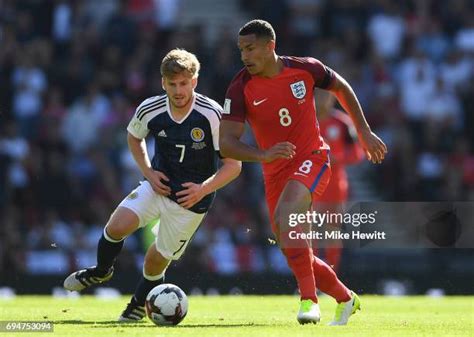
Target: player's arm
<point>231,146</point>
<point>374,147</point>
<point>139,152</point>
<point>193,193</point>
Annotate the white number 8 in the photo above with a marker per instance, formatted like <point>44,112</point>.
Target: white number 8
<point>306,166</point>
<point>285,118</point>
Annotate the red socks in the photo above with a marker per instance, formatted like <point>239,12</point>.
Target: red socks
<point>327,281</point>
<point>311,271</point>
<point>301,263</point>
<point>333,257</point>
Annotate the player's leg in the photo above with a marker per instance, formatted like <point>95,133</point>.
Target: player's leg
<point>332,200</point>
<point>331,249</point>
<point>121,224</point>
<point>325,276</point>
<point>308,178</point>
<point>173,233</point>
<point>154,267</point>
<point>328,282</point>
<point>296,199</point>
<point>333,255</point>
<point>133,212</point>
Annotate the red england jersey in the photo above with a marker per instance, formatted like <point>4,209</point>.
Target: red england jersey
<point>281,108</point>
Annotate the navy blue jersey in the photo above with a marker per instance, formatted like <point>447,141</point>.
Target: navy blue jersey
<point>185,151</point>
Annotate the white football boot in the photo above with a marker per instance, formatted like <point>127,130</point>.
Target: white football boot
<point>85,278</point>
<point>344,310</point>
<point>309,312</point>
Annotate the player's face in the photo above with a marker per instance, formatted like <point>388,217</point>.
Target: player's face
<point>180,89</point>
<point>255,53</point>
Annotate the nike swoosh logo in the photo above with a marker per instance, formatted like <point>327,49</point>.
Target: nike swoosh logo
<point>259,102</point>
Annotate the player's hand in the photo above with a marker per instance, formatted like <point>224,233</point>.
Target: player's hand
<point>283,150</point>
<point>156,178</point>
<point>191,195</point>
<point>375,149</point>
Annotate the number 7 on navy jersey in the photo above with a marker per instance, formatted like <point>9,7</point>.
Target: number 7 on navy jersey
<point>183,149</point>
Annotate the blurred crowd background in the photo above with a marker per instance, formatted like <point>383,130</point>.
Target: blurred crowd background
<point>72,73</point>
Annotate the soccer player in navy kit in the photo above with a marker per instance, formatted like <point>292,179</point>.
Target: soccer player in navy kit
<point>180,184</point>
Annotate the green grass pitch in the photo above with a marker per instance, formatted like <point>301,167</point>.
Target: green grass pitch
<point>249,316</point>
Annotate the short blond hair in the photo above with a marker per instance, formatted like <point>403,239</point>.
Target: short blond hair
<point>179,60</point>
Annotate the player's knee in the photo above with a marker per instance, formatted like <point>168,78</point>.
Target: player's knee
<point>121,224</point>
<point>117,231</point>
<point>329,272</point>
<point>154,263</point>
<point>281,218</point>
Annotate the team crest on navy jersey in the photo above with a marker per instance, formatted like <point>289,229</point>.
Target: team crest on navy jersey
<point>298,89</point>
<point>197,134</point>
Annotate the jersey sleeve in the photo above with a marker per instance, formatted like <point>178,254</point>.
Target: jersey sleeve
<point>215,137</point>
<point>234,103</point>
<point>323,76</point>
<point>138,128</point>
<point>215,128</point>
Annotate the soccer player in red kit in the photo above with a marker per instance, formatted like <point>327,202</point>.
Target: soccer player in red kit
<point>275,95</point>
<point>338,131</point>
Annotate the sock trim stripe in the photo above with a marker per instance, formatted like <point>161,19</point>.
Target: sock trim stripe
<point>154,277</point>
<point>108,238</point>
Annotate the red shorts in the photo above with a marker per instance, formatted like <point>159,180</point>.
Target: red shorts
<point>338,188</point>
<point>313,171</point>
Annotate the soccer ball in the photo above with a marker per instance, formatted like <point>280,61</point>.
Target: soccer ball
<point>166,304</point>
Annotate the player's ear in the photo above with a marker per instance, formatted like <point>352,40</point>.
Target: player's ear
<point>194,82</point>
<point>271,45</point>
<point>163,83</point>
